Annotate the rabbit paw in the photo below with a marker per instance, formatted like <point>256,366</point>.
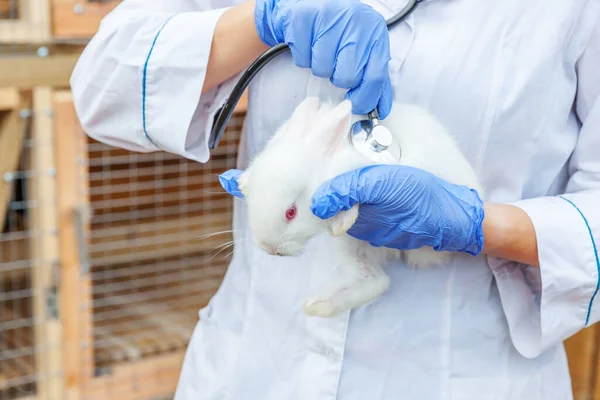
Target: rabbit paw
<point>319,308</point>
<point>341,222</point>
<point>343,297</point>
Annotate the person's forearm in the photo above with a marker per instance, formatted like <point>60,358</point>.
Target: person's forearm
<point>509,234</point>
<point>235,45</point>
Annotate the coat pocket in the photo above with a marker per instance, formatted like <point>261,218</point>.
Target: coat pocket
<point>209,361</point>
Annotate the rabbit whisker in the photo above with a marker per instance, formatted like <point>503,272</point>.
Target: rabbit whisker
<point>208,235</point>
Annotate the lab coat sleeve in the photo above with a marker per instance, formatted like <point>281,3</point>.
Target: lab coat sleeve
<point>138,83</point>
<point>545,306</point>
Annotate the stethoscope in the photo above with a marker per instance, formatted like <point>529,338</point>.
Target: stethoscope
<point>376,137</point>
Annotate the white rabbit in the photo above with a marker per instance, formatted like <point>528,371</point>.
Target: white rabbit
<point>312,147</point>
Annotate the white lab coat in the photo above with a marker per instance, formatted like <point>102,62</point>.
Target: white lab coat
<point>516,82</point>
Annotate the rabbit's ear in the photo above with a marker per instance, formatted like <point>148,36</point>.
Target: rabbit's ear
<point>296,126</point>
<point>234,182</point>
<point>336,125</point>
<point>306,111</point>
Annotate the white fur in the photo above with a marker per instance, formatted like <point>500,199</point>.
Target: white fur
<point>312,147</point>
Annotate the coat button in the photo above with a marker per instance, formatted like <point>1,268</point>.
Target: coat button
<point>327,352</point>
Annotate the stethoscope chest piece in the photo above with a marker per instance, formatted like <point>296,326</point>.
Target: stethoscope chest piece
<point>374,141</point>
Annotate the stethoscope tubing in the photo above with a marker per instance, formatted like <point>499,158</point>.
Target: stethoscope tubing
<point>224,114</point>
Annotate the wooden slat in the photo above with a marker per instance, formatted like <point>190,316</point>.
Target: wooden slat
<point>5,9</point>
<point>150,378</point>
<point>595,384</point>
<point>37,13</point>
<point>16,345</point>
<point>32,26</point>
<point>121,348</point>
<point>153,320</point>
<point>136,241</point>
<point>582,352</point>
<point>14,259</point>
<point>76,311</point>
<point>11,142</point>
<point>22,32</point>
<point>9,98</point>
<point>4,381</point>
<point>156,313</point>
<point>153,324</point>
<point>28,71</point>
<point>44,248</point>
<point>78,19</point>
<point>18,339</point>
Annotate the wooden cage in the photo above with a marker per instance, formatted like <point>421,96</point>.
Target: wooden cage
<point>106,256</point>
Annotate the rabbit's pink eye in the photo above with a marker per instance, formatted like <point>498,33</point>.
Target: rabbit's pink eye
<point>290,213</point>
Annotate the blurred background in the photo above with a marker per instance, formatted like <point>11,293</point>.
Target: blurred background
<point>106,256</point>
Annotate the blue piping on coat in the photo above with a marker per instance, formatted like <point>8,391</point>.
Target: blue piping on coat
<point>587,319</point>
<point>144,81</point>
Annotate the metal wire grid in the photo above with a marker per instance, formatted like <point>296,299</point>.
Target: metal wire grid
<point>159,247</point>
<point>22,258</point>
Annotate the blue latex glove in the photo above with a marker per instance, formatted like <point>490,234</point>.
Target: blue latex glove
<point>405,208</point>
<point>228,181</point>
<point>343,40</point>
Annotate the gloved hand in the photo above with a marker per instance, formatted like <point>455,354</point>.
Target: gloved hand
<point>228,181</point>
<point>343,40</point>
<point>405,208</point>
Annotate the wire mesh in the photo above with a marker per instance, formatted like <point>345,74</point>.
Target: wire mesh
<point>159,247</point>
<point>26,239</point>
<point>156,244</point>
<point>17,346</point>
<point>152,238</point>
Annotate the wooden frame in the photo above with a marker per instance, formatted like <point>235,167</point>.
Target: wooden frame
<point>28,70</point>
<point>141,380</point>
<point>75,289</point>
<point>9,99</point>
<point>48,21</point>
<point>595,385</point>
<point>147,375</point>
<point>40,249</point>
<point>44,249</point>
<point>78,19</point>
<point>33,25</point>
